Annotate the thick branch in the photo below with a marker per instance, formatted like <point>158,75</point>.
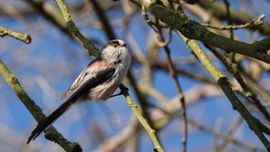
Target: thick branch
<point>254,124</point>
<point>193,30</point>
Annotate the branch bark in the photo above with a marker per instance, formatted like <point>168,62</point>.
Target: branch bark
<point>193,30</point>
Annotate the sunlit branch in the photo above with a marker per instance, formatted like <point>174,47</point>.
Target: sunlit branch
<point>19,36</point>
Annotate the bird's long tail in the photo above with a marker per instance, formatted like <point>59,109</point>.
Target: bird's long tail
<point>78,93</point>
<point>50,119</point>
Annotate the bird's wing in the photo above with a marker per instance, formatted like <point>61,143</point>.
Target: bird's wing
<point>100,77</point>
<point>89,72</point>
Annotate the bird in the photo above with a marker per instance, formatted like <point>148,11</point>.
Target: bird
<point>96,82</point>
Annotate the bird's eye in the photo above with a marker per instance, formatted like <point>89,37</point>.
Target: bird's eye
<point>118,61</point>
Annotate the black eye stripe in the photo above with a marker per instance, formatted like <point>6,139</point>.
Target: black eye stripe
<point>115,43</point>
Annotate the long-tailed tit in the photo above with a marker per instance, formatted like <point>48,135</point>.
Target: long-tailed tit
<point>97,81</point>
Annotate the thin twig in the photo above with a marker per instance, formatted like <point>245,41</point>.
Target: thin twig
<point>163,43</point>
<point>193,30</point>
<point>227,5</point>
<point>51,14</point>
<point>218,11</point>
<point>182,71</point>
<point>258,89</point>
<point>228,10</point>
<point>143,100</point>
<point>106,26</point>
<point>19,36</point>
<point>178,88</point>
<point>116,142</point>
<point>87,44</point>
<point>214,133</point>
<point>256,22</point>
<point>232,129</point>
<point>142,120</point>
<point>161,115</point>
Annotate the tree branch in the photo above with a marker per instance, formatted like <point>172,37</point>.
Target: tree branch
<point>193,30</point>
<point>239,17</point>
<point>51,133</point>
<point>142,120</point>
<point>87,44</point>
<point>22,37</point>
<point>254,124</point>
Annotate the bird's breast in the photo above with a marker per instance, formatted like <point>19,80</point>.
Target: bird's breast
<point>104,90</point>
